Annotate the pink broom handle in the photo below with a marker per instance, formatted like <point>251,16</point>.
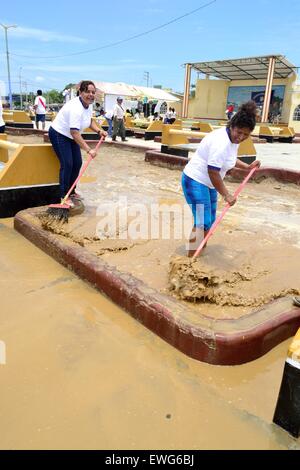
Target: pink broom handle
<point>82,171</point>
<point>218,220</point>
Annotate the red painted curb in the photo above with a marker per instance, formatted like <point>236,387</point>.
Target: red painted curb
<point>223,342</point>
<point>155,157</point>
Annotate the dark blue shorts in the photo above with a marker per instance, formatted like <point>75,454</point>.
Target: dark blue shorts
<point>40,117</point>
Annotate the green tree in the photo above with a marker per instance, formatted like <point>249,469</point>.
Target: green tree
<point>54,96</point>
<point>70,85</point>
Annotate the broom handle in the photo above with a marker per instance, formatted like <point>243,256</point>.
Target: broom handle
<point>82,171</point>
<point>218,220</point>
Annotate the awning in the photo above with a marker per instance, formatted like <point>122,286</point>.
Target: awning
<point>249,68</point>
<point>122,89</point>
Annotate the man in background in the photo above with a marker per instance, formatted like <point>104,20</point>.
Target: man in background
<point>119,125</point>
<point>40,109</point>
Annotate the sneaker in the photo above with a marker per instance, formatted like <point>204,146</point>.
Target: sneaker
<point>124,140</point>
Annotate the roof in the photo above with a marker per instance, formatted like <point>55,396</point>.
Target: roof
<point>133,91</point>
<point>249,68</point>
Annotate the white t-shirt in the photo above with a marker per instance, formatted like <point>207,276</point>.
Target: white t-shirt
<point>215,151</point>
<point>40,108</point>
<point>73,115</point>
<point>2,123</point>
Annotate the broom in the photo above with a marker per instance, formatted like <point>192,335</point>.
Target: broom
<point>60,212</point>
<point>218,220</point>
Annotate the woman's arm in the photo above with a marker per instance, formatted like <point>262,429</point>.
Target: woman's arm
<point>82,143</point>
<point>244,166</point>
<point>217,182</point>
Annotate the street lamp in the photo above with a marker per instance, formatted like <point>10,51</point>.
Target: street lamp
<point>6,27</point>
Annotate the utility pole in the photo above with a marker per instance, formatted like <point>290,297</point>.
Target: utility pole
<point>26,97</point>
<point>21,97</point>
<point>146,77</point>
<point>6,27</point>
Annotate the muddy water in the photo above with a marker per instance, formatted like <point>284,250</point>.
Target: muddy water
<point>80,373</point>
<point>135,219</point>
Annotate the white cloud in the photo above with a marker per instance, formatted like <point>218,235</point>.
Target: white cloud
<point>45,36</point>
<point>39,79</point>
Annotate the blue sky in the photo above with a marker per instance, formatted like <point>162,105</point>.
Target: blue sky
<point>224,29</point>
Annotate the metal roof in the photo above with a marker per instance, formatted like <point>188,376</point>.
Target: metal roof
<point>249,68</point>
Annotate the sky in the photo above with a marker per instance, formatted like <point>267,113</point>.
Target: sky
<point>47,48</point>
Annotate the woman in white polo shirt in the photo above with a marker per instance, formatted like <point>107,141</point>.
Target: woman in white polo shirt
<point>202,178</point>
<point>65,137</point>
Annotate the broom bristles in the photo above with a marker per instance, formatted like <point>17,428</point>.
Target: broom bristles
<point>58,213</point>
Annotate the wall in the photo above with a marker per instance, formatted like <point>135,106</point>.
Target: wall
<point>211,96</point>
<point>295,101</point>
<point>210,99</point>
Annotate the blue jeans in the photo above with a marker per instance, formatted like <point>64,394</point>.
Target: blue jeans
<point>69,155</point>
<point>202,201</point>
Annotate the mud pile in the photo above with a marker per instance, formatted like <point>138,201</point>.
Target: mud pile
<point>245,285</point>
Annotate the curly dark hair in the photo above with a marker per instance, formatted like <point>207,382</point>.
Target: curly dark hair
<point>85,84</point>
<point>245,117</point>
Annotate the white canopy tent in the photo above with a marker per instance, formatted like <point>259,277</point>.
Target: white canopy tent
<point>130,93</point>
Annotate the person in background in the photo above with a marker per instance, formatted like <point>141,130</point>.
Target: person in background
<point>136,114</point>
<point>168,116</point>
<point>229,111</point>
<point>155,117</point>
<point>40,109</point>
<point>202,178</point>
<point>65,136</point>
<point>66,94</point>
<point>108,115</point>
<point>172,118</point>
<point>119,126</point>
<point>98,110</point>
<point>2,123</point>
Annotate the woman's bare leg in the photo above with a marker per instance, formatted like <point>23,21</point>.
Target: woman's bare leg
<point>196,237</point>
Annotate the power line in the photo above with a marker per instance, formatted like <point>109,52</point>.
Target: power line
<point>122,40</point>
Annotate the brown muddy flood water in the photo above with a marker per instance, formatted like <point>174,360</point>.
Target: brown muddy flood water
<point>81,373</point>
<point>136,219</point>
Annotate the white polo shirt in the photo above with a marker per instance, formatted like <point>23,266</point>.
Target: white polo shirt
<point>72,116</point>
<point>215,151</point>
<point>40,108</point>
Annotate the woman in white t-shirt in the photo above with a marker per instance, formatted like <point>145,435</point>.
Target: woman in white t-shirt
<point>65,137</point>
<point>202,178</point>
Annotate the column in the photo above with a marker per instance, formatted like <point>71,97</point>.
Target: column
<point>268,91</point>
<point>186,93</point>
